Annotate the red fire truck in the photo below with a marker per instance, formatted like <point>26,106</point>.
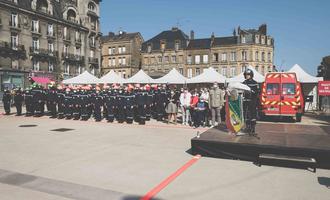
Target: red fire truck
<point>281,95</point>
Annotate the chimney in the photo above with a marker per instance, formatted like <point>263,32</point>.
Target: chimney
<point>263,29</point>
<point>192,35</point>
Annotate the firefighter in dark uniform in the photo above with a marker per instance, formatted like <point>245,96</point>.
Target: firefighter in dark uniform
<point>250,102</point>
<point>52,101</point>
<point>76,101</point>
<point>60,103</point>
<point>6,99</point>
<point>85,103</point>
<point>141,103</point>
<point>68,104</point>
<point>18,101</point>
<point>121,115</point>
<point>161,99</point>
<point>28,98</point>
<point>110,106</point>
<point>149,102</point>
<point>129,104</point>
<point>39,99</point>
<point>97,102</point>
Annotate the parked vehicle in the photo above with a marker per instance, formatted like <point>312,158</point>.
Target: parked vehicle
<point>281,95</point>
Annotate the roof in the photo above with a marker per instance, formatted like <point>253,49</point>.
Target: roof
<point>199,44</point>
<point>120,37</point>
<point>169,37</point>
<point>223,41</point>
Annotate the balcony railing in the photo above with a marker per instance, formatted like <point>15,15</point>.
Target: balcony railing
<point>14,25</point>
<point>67,37</point>
<point>15,47</point>
<point>43,52</point>
<point>73,57</point>
<point>93,60</point>
<point>12,50</point>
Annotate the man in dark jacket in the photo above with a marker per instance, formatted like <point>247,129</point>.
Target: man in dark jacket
<point>250,102</point>
<point>18,101</point>
<point>6,99</point>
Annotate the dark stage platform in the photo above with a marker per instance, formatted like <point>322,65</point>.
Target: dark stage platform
<point>282,139</point>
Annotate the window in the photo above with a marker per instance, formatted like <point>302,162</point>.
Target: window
<point>91,53</point>
<point>65,49</point>
<point>262,39</point>
<point>224,57</point>
<point>35,26</point>
<point>124,49</point>
<point>149,48</point>
<point>14,20</point>
<point>112,62</point>
<point>109,50</point>
<point>244,55</point>
<point>66,68</point>
<point>224,71</point>
<point>50,47</point>
<point>189,59</point>
<point>14,41</point>
<point>162,46</point>
<point>160,59</point>
<point>269,41</point>
<point>197,72</point>
<point>79,69</point>
<point>92,41</point>
<point>119,50</point>
<point>181,71</point>
<point>232,71</point>
<point>263,56</point>
<point>205,59</point>
<point>243,39</point>
<point>166,59</point>
<point>243,68</point>
<point>272,88</point>
<point>288,88</point>
<point>50,66</point>
<point>65,32</point>
<point>173,59</point>
<point>257,56</point>
<point>197,59</point>
<point>91,7</point>
<point>35,44</point>
<point>233,56</point>
<point>189,74</point>
<point>177,46</point>
<point>123,61</point>
<point>215,57</point>
<point>36,66</point>
<point>77,36</point>
<point>77,51</point>
<point>50,30</point>
<point>269,57</point>
<point>257,39</point>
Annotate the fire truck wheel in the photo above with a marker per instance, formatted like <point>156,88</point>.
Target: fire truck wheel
<point>298,117</point>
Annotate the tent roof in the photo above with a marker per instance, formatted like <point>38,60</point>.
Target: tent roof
<point>111,77</point>
<point>256,76</point>
<point>84,78</point>
<point>209,75</point>
<point>140,77</point>
<point>173,77</point>
<point>303,76</point>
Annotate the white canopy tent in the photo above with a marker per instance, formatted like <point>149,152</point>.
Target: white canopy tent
<point>209,75</point>
<point>83,78</point>
<point>304,77</point>
<point>111,77</point>
<point>173,77</point>
<point>140,77</point>
<point>240,78</point>
<point>309,85</point>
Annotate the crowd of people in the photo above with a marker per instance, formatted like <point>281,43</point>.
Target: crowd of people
<point>121,103</point>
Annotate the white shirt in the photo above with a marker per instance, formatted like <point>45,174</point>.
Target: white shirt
<point>185,99</point>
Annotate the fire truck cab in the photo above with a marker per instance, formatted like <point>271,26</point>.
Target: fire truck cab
<point>281,95</point>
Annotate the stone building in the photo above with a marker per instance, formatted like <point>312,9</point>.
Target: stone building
<point>48,38</point>
<point>121,53</point>
<point>228,55</point>
<point>163,52</point>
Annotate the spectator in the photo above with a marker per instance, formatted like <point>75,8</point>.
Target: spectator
<point>216,102</point>
<point>185,99</point>
<point>171,108</point>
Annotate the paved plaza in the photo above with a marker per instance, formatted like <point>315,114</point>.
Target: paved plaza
<point>42,158</point>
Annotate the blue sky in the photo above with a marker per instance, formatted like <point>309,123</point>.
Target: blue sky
<point>301,28</point>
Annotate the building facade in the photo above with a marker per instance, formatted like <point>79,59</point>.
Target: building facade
<point>163,52</point>
<point>48,38</point>
<point>121,53</point>
<point>228,55</point>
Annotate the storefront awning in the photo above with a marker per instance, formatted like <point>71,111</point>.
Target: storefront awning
<point>41,80</point>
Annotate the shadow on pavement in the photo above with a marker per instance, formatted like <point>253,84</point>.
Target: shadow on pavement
<point>136,198</point>
<point>325,181</point>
